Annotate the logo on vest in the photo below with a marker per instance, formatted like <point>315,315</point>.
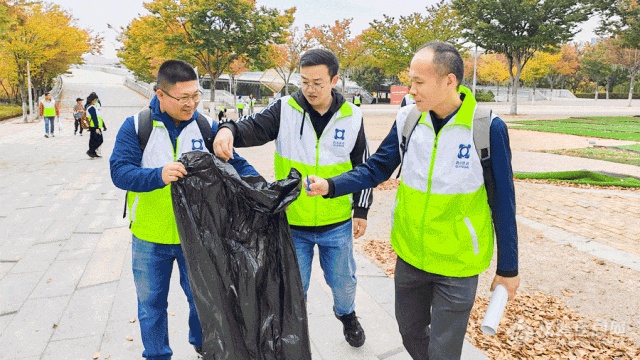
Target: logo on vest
<point>197,144</point>
<point>463,153</point>
<point>339,135</point>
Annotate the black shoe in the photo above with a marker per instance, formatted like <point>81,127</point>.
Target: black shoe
<point>199,350</point>
<point>45,135</point>
<point>353,332</point>
<point>91,154</point>
<point>75,132</point>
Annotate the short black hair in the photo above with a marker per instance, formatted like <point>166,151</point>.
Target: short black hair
<point>446,59</point>
<point>175,71</point>
<point>47,93</point>
<point>315,57</point>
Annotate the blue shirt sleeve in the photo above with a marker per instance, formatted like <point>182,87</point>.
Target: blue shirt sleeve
<point>504,201</point>
<point>126,160</point>
<point>378,168</point>
<point>239,163</point>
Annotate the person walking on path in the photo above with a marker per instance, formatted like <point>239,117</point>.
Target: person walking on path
<point>240,106</point>
<point>49,109</point>
<point>357,99</point>
<point>95,123</point>
<point>146,174</point>
<point>444,217</point>
<point>252,104</point>
<point>78,111</point>
<point>315,131</point>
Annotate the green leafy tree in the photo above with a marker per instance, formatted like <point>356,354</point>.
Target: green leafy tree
<point>285,58</point>
<point>337,39</point>
<point>392,43</point>
<point>595,64</point>
<point>209,34</point>
<point>44,37</point>
<point>519,28</point>
<point>621,20</point>
<point>370,78</point>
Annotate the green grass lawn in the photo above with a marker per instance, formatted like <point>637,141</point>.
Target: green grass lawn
<point>617,155</point>
<point>605,127</point>
<point>8,111</point>
<point>582,177</point>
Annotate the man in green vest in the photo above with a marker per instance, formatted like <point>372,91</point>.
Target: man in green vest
<point>317,132</point>
<point>357,99</point>
<point>147,173</point>
<point>240,106</point>
<point>444,217</point>
<point>48,109</point>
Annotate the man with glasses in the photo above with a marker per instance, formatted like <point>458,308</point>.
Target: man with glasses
<point>145,171</point>
<point>317,132</point>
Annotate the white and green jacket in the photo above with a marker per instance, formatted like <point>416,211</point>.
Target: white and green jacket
<point>293,124</point>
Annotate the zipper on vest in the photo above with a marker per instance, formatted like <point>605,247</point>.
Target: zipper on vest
<point>316,199</point>
<point>175,149</point>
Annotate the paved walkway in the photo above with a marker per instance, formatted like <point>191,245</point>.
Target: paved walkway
<point>66,287</point>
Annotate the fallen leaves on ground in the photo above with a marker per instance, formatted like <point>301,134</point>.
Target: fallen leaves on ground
<point>534,326</point>
<point>539,326</point>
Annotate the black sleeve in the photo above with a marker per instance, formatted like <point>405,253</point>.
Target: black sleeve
<point>257,129</point>
<point>404,102</point>
<point>361,200</point>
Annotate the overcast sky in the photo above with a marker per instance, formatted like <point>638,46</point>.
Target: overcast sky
<point>95,15</point>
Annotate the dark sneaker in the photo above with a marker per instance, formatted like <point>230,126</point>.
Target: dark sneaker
<point>199,350</point>
<point>45,135</point>
<point>353,332</point>
<point>91,154</point>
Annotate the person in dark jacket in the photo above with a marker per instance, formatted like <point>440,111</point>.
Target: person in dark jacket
<point>443,219</point>
<point>146,175</point>
<point>315,131</point>
<point>95,123</point>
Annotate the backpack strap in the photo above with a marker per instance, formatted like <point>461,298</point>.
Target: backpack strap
<point>481,126</point>
<point>482,141</point>
<point>409,125</point>
<point>145,126</point>
<point>205,131</point>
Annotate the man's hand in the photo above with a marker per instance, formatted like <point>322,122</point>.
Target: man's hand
<point>223,144</point>
<point>172,172</point>
<point>359,227</point>
<point>510,283</point>
<point>318,186</point>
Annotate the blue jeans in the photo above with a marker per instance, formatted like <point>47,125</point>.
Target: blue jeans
<point>47,120</point>
<point>152,265</point>
<point>335,248</point>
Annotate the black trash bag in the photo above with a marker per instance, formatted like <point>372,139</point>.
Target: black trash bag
<point>242,263</point>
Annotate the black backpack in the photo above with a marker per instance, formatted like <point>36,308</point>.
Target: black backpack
<point>481,139</point>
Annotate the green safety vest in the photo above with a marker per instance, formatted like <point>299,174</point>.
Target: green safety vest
<point>151,213</point>
<point>356,99</point>
<point>240,105</point>
<point>328,156</point>
<point>442,222</point>
<point>90,118</point>
<point>49,108</point>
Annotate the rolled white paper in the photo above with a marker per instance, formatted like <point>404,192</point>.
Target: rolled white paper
<point>495,310</point>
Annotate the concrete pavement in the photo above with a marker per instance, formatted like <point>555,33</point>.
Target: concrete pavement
<point>66,286</point>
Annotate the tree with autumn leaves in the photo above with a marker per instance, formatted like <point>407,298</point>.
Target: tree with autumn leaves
<point>209,34</point>
<point>44,36</point>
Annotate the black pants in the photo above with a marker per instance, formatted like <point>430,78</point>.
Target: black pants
<point>95,140</point>
<point>432,311</point>
<point>76,124</point>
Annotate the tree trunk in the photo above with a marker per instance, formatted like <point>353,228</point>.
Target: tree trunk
<point>597,89</point>
<point>23,95</point>
<point>514,90</point>
<point>633,77</point>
